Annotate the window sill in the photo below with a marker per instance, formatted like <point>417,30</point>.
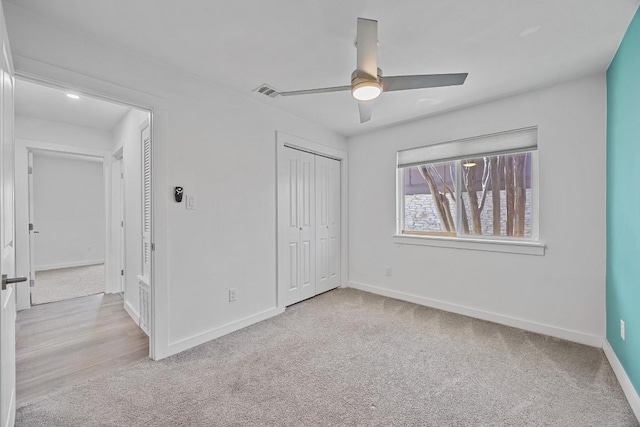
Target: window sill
<point>513,247</point>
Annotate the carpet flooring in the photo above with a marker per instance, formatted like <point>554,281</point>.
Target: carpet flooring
<point>350,358</point>
<point>66,283</point>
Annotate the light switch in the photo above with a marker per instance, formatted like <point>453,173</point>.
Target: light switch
<point>191,202</point>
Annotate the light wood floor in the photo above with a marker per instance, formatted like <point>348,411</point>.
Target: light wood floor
<point>68,342</point>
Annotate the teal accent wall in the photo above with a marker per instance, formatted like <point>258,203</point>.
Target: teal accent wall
<point>623,201</point>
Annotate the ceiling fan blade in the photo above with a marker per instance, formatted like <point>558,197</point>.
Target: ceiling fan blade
<point>366,109</point>
<point>392,83</point>
<point>367,47</point>
<point>321,90</point>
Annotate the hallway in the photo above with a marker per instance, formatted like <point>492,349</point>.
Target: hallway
<point>68,342</point>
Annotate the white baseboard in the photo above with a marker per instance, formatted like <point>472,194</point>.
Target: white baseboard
<point>132,312</point>
<point>69,264</point>
<point>201,338</point>
<point>566,334</point>
<point>629,391</point>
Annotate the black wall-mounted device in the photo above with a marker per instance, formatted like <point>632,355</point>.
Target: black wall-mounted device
<point>178,194</point>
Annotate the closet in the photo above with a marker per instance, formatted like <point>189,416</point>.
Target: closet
<point>309,224</point>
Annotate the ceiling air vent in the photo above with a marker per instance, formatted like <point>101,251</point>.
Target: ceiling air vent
<point>267,90</point>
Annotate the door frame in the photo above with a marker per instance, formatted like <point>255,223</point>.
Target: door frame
<point>80,84</point>
<point>286,140</point>
<point>23,256</point>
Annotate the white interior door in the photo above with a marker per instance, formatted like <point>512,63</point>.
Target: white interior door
<point>333,222</point>
<point>7,241</point>
<point>121,245</point>
<point>117,225</point>
<point>32,231</point>
<point>289,244</point>
<point>146,203</point>
<point>297,222</point>
<point>307,212</point>
<point>322,224</point>
<point>327,224</point>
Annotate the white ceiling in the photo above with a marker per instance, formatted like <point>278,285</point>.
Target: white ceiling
<point>300,44</point>
<point>47,103</point>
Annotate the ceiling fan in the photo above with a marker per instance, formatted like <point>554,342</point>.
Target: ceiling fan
<point>367,81</point>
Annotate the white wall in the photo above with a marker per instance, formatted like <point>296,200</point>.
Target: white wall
<point>127,136</point>
<point>69,211</point>
<point>31,128</point>
<point>560,293</point>
<point>219,146</point>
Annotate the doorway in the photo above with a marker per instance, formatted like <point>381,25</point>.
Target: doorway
<point>83,217</point>
<point>67,203</point>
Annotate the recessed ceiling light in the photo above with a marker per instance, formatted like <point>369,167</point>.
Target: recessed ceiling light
<point>528,31</point>
<point>469,164</point>
<point>73,96</point>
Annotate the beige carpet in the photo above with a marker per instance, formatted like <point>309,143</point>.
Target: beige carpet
<point>65,283</point>
<point>350,358</point>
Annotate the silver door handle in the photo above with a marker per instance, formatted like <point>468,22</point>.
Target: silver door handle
<point>6,281</point>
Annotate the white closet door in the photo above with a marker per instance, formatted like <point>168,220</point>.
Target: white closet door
<point>307,215</point>
<point>297,218</point>
<point>322,224</point>
<point>333,197</point>
<point>308,224</point>
<point>289,248</point>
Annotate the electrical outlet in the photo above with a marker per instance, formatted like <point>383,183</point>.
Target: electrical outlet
<point>388,272</point>
<point>233,294</point>
<point>622,331</point>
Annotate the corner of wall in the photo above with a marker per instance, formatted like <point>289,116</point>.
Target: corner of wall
<point>628,389</point>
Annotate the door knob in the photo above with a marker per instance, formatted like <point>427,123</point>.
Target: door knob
<point>6,281</point>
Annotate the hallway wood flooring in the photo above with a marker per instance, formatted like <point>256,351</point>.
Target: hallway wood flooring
<point>64,343</point>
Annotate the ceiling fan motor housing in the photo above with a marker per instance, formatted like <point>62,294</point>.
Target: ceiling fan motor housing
<point>359,77</point>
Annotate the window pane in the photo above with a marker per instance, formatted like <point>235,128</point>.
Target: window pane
<point>496,194</point>
<point>429,201</point>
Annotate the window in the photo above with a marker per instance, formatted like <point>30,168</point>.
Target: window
<point>477,188</point>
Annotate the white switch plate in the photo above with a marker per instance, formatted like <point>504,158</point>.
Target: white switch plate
<point>622,331</point>
<point>233,294</point>
<point>387,272</point>
<point>191,202</point>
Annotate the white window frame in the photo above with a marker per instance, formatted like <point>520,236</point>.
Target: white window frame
<point>519,245</point>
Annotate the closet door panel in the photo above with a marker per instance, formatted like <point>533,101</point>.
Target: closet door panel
<point>322,224</point>
<point>307,216</point>
<point>289,250</point>
<point>333,197</point>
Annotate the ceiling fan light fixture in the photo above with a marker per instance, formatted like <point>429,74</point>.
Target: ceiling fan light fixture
<point>366,91</point>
